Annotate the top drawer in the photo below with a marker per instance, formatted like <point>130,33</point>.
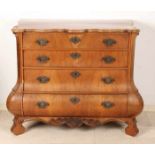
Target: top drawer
<point>69,41</point>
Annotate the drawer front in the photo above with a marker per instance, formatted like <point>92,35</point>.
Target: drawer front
<point>74,105</point>
<point>74,59</point>
<point>36,40</point>
<point>75,80</point>
<point>66,41</point>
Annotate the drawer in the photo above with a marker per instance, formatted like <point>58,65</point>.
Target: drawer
<point>66,41</point>
<point>74,105</point>
<point>92,80</point>
<point>74,59</point>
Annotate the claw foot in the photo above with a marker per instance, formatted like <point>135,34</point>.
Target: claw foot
<point>17,127</point>
<point>131,129</point>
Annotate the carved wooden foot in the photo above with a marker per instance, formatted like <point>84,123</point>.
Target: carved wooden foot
<point>131,129</point>
<point>17,127</point>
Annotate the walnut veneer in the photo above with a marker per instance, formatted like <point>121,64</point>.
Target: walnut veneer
<point>74,74</point>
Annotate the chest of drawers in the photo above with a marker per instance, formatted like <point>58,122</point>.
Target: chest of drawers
<point>74,74</point>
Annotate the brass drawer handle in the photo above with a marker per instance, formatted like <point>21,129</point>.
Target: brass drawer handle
<point>42,104</point>
<point>108,80</point>
<point>75,74</point>
<point>107,104</point>
<point>43,79</point>
<point>43,59</point>
<point>108,59</point>
<point>75,55</point>
<point>109,42</point>
<point>75,40</point>
<point>74,100</point>
<point>42,42</point>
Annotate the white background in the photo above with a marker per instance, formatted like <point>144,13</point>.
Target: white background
<point>12,11</point>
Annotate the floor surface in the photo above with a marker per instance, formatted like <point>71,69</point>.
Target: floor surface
<point>106,134</point>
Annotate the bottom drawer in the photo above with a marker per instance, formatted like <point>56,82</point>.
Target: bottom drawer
<point>75,105</point>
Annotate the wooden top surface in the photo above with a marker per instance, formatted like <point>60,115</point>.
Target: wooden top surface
<point>75,25</point>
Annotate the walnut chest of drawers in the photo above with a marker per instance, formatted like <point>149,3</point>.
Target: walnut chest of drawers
<point>75,73</point>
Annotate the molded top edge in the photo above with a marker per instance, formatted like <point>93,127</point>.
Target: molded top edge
<point>75,25</point>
